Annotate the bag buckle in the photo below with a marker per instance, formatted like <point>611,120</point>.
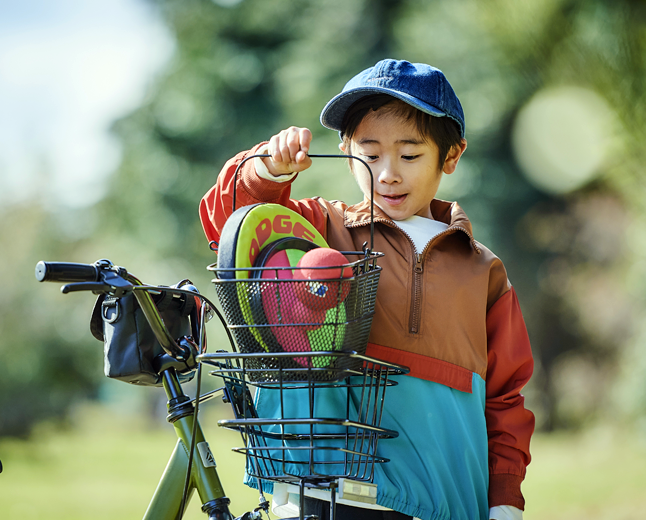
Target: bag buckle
<point>107,304</point>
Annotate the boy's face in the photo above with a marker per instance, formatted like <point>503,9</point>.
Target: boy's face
<point>405,166</point>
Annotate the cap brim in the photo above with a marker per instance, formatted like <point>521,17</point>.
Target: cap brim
<point>333,113</point>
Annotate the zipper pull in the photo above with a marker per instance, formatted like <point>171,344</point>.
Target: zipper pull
<point>419,265</point>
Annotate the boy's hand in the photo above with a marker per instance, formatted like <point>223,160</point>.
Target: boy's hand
<point>288,150</point>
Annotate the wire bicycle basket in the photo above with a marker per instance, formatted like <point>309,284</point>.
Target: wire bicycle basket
<point>263,315</point>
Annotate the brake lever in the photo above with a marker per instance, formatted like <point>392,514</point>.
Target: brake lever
<point>112,282</point>
<point>95,287</point>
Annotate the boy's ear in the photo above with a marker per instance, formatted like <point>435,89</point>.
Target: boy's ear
<point>345,151</point>
<point>453,156</point>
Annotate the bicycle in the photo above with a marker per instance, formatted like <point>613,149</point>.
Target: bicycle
<point>191,465</point>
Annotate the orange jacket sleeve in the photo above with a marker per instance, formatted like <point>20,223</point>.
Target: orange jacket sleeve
<point>509,424</point>
<point>217,204</point>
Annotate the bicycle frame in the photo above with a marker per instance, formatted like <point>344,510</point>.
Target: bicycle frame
<point>177,485</point>
<point>167,499</point>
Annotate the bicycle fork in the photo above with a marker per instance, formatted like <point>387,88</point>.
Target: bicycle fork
<point>168,497</point>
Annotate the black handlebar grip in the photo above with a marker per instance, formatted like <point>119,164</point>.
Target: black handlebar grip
<point>66,272</point>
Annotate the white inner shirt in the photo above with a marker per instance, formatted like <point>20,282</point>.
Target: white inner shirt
<point>421,230</point>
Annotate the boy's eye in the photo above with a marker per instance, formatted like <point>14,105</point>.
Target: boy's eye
<point>370,157</point>
<point>409,157</point>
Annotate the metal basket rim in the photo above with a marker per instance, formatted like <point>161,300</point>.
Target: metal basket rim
<point>214,356</point>
<point>371,257</point>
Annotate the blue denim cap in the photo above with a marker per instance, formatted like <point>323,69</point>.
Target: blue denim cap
<point>420,85</point>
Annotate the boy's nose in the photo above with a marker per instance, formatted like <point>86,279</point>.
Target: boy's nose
<point>388,175</point>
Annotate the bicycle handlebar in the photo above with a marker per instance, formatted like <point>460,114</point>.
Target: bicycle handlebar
<point>66,272</point>
<point>104,277</point>
<point>109,278</point>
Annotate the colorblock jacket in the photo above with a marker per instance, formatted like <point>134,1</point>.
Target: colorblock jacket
<point>462,421</point>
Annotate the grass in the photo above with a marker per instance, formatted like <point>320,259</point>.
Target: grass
<point>108,464</point>
<point>597,475</point>
<point>106,467</point>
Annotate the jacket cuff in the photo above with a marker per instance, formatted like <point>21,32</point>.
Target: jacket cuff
<point>504,490</point>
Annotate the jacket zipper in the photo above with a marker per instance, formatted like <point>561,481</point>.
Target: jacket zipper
<point>416,304</point>
<point>418,282</point>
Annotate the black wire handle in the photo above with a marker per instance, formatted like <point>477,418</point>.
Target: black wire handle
<point>323,156</point>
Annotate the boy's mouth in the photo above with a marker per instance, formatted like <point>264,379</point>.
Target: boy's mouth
<point>394,200</point>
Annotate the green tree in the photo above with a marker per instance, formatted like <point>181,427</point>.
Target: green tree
<point>49,361</point>
<point>244,69</point>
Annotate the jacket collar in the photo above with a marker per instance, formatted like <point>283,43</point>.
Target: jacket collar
<point>450,213</point>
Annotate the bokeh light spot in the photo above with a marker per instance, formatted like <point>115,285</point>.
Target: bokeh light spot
<point>562,137</point>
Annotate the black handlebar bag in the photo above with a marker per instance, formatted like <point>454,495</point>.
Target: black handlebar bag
<point>129,343</point>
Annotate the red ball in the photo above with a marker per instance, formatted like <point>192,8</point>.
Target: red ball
<point>326,265</point>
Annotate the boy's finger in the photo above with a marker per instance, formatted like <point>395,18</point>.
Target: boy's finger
<point>305,138</point>
<point>293,143</point>
<point>285,139</point>
<point>283,148</point>
<point>303,161</point>
<point>274,149</point>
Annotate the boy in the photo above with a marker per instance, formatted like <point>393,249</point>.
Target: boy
<point>464,433</point>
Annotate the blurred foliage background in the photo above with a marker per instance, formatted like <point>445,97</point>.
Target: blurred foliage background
<point>552,178</point>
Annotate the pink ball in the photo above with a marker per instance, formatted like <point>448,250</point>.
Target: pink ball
<point>322,264</point>
<point>282,307</point>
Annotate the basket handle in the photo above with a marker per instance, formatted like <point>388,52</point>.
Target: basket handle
<point>323,156</point>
